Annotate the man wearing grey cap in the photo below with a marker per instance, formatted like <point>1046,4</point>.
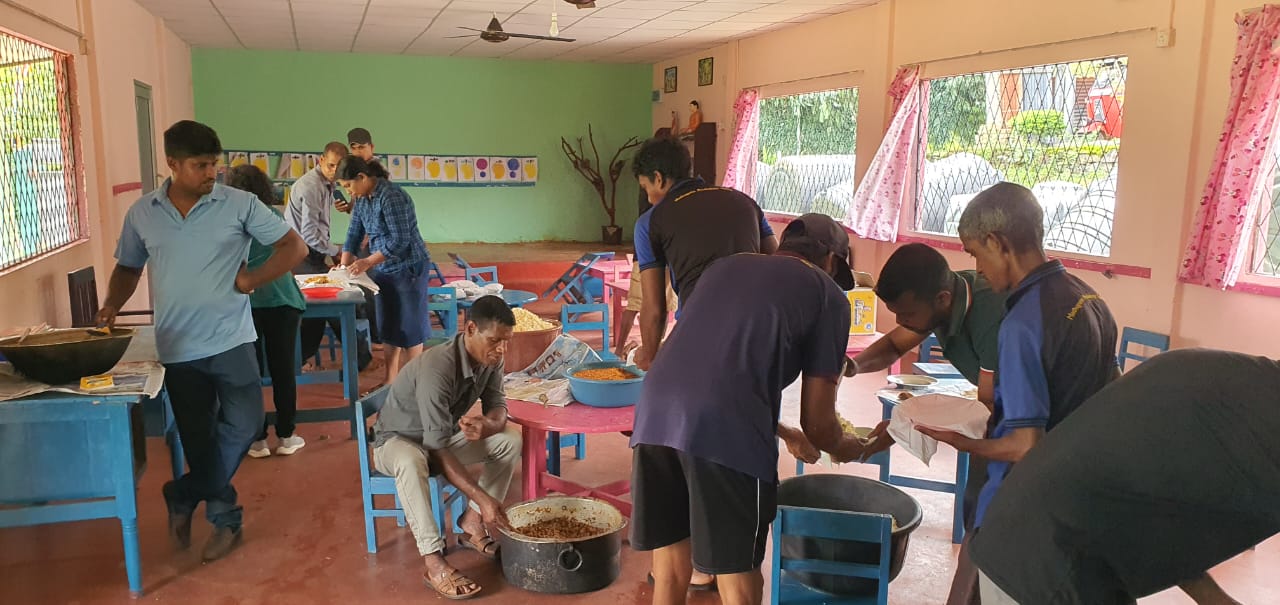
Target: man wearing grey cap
<point>705,463</point>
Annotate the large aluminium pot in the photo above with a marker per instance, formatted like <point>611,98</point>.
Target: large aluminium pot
<point>854,494</point>
<point>563,567</point>
<point>65,356</point>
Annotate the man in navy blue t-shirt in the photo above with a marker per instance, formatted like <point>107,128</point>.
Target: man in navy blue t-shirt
<point>1057,342</point>
<point>690,226</point>
<point>705,462</point>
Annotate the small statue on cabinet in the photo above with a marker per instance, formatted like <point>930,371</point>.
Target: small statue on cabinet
<point>695,120</point>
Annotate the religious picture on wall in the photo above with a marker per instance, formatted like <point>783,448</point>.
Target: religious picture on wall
<point>529,170</point>
<point>417,168</point>
<point>435,168</point>
<point>669,79</point>
<point>450,169</point>
<point>466,170</point>
<point>396,166</point>
<point>262,161</point>
<point>484,170</point>
<point>706,71</point>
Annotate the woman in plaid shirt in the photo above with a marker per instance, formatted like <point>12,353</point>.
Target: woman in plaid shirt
<point>398,258</point>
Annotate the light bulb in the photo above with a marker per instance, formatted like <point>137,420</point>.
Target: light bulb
<point>555,27</point>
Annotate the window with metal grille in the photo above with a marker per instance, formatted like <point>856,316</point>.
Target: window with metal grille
<point>1052,128</point>
<point>1265,259</point>
<point>39,184</point>
<point>807,144</point>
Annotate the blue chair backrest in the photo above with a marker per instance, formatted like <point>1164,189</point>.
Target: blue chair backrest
<point>1134,336</point>
<point>833,525</point>
<point>930,350</point>
<point>571,319</point>
<point>444,302</point>
<point>365,407</point>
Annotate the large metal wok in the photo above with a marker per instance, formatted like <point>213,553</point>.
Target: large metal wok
<point>64,356</point>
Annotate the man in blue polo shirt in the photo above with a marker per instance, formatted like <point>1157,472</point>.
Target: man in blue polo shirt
<point>194,234</point>
<point>1057,342</point>
<point>690,226</point>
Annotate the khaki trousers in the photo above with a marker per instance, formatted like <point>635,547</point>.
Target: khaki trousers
<point>406,460</point>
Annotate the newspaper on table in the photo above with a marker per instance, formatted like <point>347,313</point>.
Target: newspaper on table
<point>546,380</point>
<point>130,378</point>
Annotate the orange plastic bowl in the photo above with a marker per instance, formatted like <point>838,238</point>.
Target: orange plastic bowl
<point>322,292</point>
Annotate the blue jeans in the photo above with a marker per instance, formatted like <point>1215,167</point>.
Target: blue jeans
<point>217,403</point>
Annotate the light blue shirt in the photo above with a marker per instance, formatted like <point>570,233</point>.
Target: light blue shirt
<point>194,262</point>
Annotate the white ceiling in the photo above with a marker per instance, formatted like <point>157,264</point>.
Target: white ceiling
<point>617,31</point>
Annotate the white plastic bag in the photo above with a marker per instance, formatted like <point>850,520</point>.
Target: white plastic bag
<point>936,411</point>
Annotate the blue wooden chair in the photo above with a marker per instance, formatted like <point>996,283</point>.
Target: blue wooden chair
<point>930,350</point>
<point>443,304</point>
<point>1134,336</point>
<point>372,483</point>
<point>434,274</point>
<point>829,525</point>
<point>577,286</point>
<point>481,276</point>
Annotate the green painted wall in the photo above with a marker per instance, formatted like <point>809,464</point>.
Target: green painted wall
<point>299,101</point>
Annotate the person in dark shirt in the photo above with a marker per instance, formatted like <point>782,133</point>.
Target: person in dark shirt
<point>690,226</point>
<point>757,324</point>
<point>1157,478</point>
<point>962,310</point>
<point>1057,341</point>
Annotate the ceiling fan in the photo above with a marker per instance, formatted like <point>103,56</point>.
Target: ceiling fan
<point>494,33</point>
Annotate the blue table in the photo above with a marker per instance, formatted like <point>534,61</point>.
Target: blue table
<point>343,308</point>
<point>515,298</point>
<point>888,400</point>
<point>79,450</point>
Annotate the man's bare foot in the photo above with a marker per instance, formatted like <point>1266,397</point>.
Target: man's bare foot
<point>446,580</point>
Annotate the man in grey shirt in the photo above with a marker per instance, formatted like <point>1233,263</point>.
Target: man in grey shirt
<point>311,201</point>
<point>423,427</point>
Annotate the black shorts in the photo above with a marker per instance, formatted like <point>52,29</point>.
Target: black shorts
<point>725,512</point>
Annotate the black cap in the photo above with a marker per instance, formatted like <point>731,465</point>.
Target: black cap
<point>359,136</point>
<point>824,232</point>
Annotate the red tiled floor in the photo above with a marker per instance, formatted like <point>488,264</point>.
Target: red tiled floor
<point>305,539</point>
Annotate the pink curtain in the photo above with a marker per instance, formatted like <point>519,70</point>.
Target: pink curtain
<point>740,173</point>
<point>877,203</point>
<point>1241,174</point>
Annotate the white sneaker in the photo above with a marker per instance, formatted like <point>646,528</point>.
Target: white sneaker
<point>259,449</point>
<point>290,444</point>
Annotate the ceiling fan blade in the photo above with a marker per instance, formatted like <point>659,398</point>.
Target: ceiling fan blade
<point>452,37</point>
<point>535,37</point>
<point>470,28</point>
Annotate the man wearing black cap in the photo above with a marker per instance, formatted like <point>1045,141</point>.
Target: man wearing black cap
<point>361,143</point>
<point>705,461</point>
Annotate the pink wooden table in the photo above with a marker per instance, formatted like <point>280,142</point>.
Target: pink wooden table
<point>536,420</point>
<point>609,270</point>
<point>861,342</point>
<point>615,293</point>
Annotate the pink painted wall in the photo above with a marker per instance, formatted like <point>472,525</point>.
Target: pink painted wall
<point>1174,110</point>
<point>125,43</point>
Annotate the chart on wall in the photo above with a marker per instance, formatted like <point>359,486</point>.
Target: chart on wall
<point>409,170</point>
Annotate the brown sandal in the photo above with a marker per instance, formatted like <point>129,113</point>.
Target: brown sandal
<point>483,544</point>
<point>448,586</point>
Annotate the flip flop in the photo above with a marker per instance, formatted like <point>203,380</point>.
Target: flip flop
<point>479,544</point>
<point>448,587</point>
<point>708,587</point>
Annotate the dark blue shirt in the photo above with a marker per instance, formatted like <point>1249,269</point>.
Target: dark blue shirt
<point>677,234</point>
<point>387,216</point>
<point>1057,348</point>
<point>754,325</point>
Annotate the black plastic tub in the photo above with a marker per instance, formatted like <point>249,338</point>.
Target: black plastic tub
<point>855,494</point>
